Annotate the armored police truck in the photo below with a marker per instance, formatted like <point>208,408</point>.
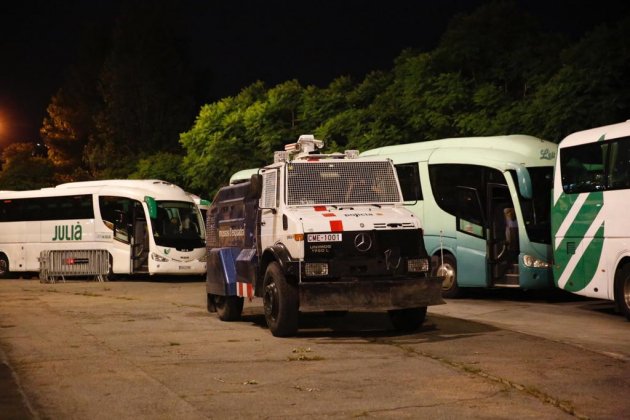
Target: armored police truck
<point>318,232</point>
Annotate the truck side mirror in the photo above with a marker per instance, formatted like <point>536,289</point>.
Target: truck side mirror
<point>255,186</point>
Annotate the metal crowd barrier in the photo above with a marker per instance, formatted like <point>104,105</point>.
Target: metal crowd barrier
<point>59,264</point>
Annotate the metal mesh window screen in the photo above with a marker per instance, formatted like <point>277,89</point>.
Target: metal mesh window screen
<point>342,182</point>
<point>269,184</point>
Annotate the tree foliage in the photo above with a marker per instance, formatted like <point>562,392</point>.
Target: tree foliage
<point>21,170</point>
<point>494,71</point>
<point>161,165</point>
<point>145,86</point>
<point>69,120</point>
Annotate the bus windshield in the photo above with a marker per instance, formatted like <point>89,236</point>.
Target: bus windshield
<point>178,224</point>
<point>537,210</point>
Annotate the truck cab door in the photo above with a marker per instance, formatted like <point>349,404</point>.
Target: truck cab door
<point>270,218</point>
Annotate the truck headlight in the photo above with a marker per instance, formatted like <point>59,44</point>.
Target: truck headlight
<point>534,262</point>
<point>417,265</point>
<point>316,269</point>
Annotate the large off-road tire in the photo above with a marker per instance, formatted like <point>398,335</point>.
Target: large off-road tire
<point>229,308</point>
<point>281,302</point>
<point>4,266</point>
<point>447,268</point>
<point>408,319</point>
<point>622,290</point>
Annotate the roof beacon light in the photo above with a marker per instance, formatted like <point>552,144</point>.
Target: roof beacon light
<point>305,145</point>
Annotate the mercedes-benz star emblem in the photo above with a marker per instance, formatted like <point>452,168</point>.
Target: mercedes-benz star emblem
<point>363,242</point>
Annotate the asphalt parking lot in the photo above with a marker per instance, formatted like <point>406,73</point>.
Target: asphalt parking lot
<point>150,350</point>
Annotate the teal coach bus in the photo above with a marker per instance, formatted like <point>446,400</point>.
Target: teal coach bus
<point>590,225</point>
<point>484,204</point>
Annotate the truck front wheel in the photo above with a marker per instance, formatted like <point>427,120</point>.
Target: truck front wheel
<point>408,319</point>
<point>281,302</point>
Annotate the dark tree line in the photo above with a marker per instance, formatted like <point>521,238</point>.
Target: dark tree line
<point>495,71</point>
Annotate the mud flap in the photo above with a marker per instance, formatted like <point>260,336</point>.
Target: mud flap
<point>371,295</point>
<point>221,274</point>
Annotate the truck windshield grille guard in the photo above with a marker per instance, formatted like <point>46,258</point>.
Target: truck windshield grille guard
<point>341,182</point>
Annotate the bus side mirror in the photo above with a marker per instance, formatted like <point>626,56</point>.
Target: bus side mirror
<point>255,186</point>
<point>524,181</point>
<point>151,206</point>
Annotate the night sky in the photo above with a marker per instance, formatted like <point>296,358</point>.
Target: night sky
<point>237,42</point>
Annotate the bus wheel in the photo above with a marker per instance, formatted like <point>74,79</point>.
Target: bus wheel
<point>280,300</point>
<point>229,308</point>
<point>622,289</point>
<point>408,319</point>
<point>447,268</point>
<point>4,266</point>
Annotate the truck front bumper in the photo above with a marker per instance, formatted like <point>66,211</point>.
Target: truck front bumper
<point>370,295</point>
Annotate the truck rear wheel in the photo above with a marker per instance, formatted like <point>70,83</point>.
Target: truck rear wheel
<point>281,302</point>
<point>408,319</point>
<point>229,308</point>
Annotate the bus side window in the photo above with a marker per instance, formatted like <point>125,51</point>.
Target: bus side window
<point>583,168</point>
<point>410,184</point>
<point>619,173</point>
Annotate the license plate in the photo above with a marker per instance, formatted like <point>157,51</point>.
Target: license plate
<point>324,237</point>
<point>184,267</point>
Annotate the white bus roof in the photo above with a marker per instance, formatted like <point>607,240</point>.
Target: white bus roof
<point>133,188</point>
<point>606,132</point>
<point>506,150</point>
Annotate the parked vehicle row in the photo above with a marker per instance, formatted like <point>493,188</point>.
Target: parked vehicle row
<point>486,213</point>
<point>393,228</point>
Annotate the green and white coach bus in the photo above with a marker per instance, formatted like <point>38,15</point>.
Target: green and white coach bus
<point>144,226</point>
<point>590,222</point>
<point>484,204</point>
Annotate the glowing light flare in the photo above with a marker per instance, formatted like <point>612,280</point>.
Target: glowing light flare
<point>4,127</point>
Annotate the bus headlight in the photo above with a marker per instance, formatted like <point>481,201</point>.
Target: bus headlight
<point>534,262</point>
<point>417,265</point>
<point>316,269</point>
<point>159,258</point>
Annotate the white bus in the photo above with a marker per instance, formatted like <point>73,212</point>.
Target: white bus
<point>590,224</point>
<point>484,204</point>
<point>146,226</point>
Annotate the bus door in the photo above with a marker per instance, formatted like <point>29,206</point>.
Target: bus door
<point>471,239</point>
<point>139,240</point>
<point>503,240</point>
